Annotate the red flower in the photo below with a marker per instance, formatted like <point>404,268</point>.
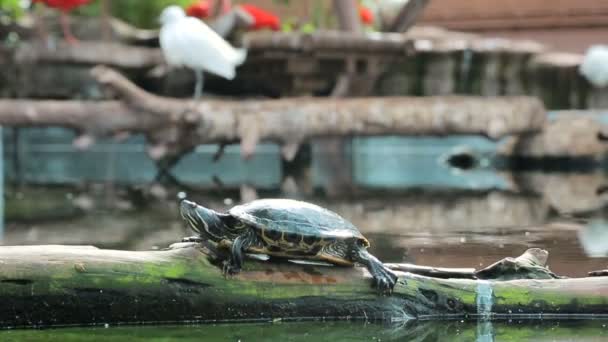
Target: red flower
<point>366,15</point>
<point>200,9</point>
<point>262,18</point>
<point>64,5</point>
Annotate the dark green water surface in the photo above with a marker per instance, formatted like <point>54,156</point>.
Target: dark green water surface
<point>336,331</point>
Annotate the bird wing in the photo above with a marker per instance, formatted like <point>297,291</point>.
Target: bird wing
<point>199,47</point>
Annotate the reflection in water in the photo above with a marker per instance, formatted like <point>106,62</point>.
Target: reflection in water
<point>483,331</point>
<point>594,238</point>
<point>424,162</point>
<point>47,156</point>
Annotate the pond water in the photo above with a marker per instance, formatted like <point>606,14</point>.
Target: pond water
<point>583,331</point>
<point>411,205</point>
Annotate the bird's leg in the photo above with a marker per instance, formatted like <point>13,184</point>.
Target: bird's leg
<point>65,25</point>
<point>198,89</point>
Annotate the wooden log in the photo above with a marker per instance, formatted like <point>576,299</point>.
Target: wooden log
<point>174,126</point>
<point>65,285</point>
<point>92,53</point>
<point>572,134</point>
<point>550,68</point>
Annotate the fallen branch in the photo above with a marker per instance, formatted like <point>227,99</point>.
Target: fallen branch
<point>92,53</point>
<point>174,126</point>
<point>571,134</point>
<point>62,285</point>
<point>408,15</point>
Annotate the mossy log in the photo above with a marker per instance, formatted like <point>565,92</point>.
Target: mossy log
<point>65,285</point>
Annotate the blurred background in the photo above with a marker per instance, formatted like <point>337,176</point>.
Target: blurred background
<point>454,200</point>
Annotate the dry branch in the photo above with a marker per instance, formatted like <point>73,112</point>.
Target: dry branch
<point>408,15</point>
<point>571,134</point>
<point>61,285</point>
<point>175,126</point>
<point>92,53</point>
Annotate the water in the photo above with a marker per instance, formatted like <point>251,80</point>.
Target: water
<point>411,205</point>
<point>331,331</point>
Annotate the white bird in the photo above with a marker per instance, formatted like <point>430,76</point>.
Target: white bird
<point>187,41</point>
<point>595,65</point>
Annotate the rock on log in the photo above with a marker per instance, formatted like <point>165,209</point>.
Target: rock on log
<point>61,285</point>
<point>175,126</point>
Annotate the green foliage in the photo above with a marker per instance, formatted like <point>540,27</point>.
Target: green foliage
<point>144,13</point>
<point>10,8</point>
<point>141,13</point>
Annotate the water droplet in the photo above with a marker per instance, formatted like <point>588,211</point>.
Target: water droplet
<point>228,201</point>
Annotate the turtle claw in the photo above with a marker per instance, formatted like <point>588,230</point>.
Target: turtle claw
<point>384,284</point>
<point>229,269</point>
<point>383,279</point>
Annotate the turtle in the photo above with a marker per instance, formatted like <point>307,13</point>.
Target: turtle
<point>286,228</point>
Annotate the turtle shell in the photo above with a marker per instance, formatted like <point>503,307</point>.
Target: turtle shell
<point>285,217</point>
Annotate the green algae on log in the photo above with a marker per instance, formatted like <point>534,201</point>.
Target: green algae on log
<point>82,285</point>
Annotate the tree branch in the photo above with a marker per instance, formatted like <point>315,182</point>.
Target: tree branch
<point>407,16</point>
<point>179,125</point>
<point>110,54</point>
<point>348,15</point>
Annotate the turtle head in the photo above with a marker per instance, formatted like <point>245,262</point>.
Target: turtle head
<point>203,221</point>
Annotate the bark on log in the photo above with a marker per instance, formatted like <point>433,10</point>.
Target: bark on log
<point>571,134</point>
<point>61,285</point>
<point>174,126</point>
<point>110,54</point>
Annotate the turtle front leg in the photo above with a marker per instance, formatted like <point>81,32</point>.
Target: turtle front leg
<point>384,278</point>
<point>234,263</point>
